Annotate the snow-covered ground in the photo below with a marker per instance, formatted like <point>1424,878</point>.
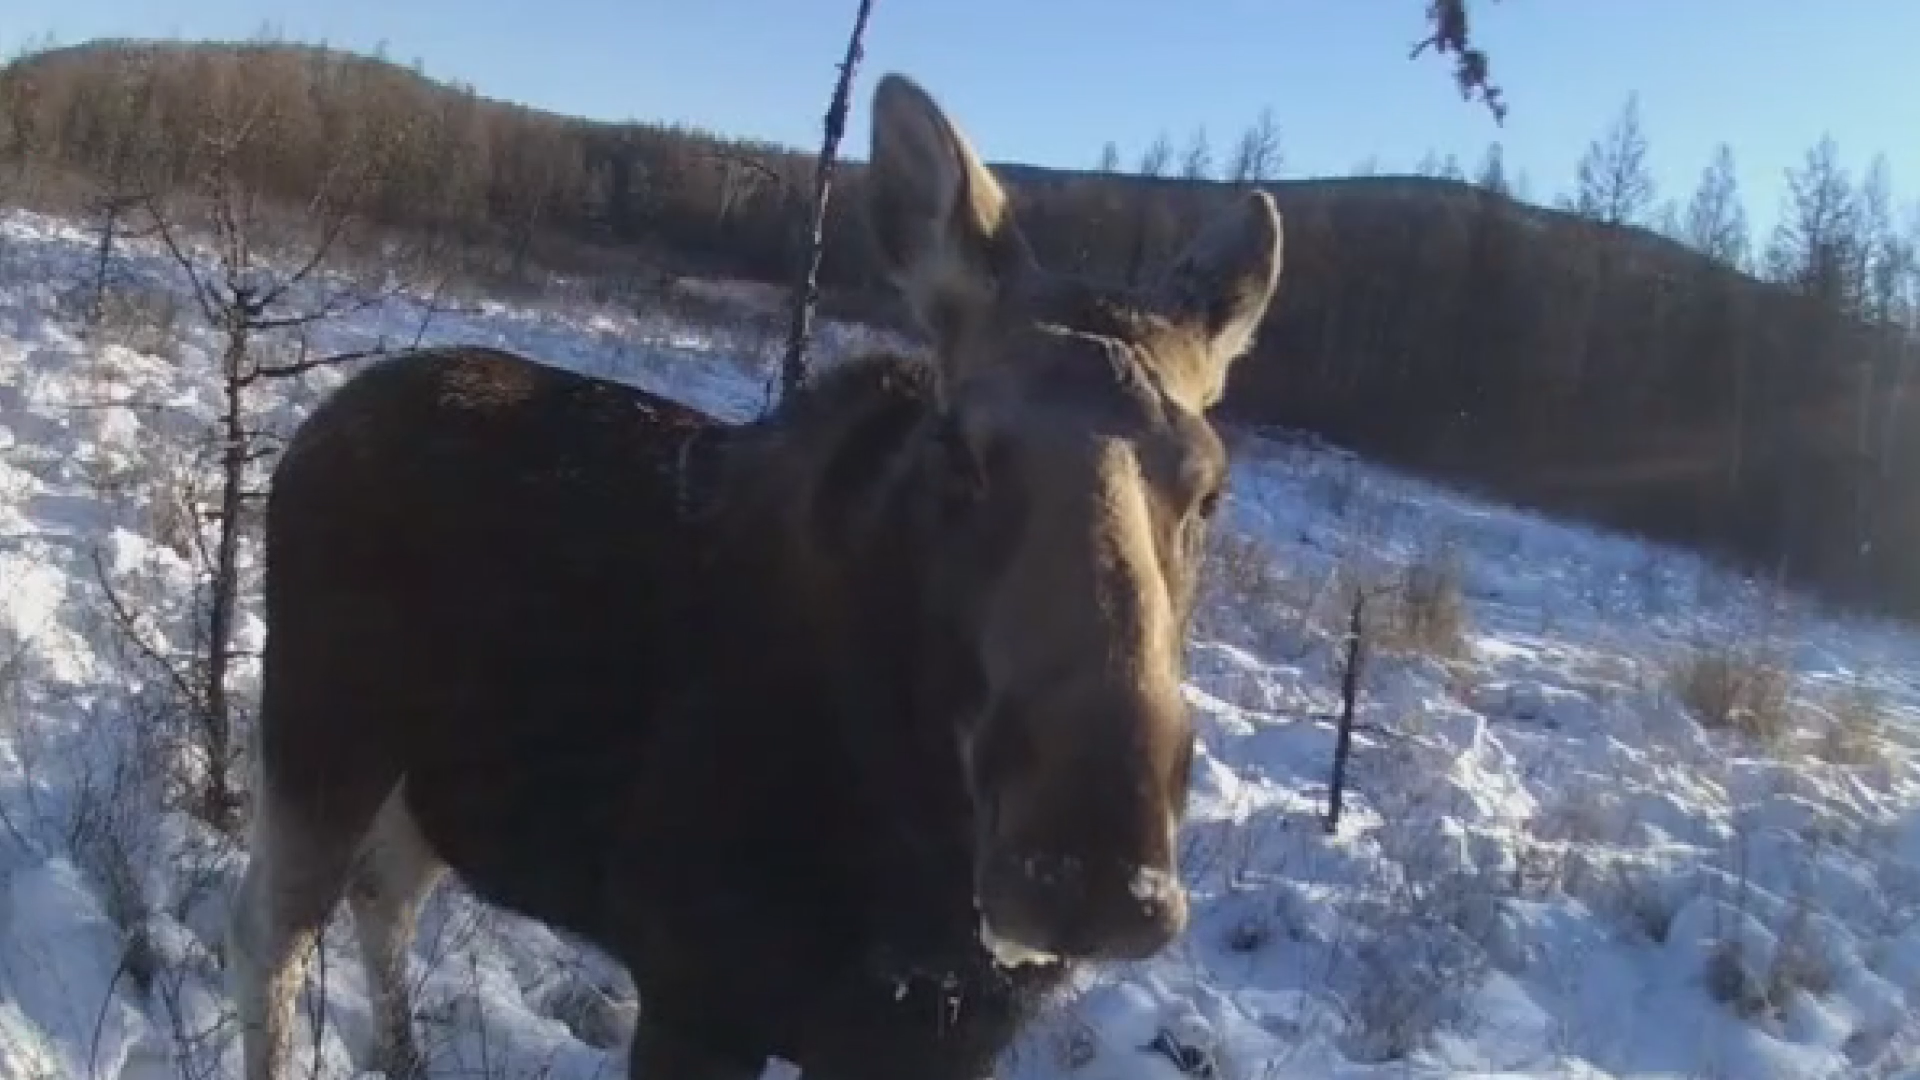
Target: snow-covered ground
<point>1547,866</point>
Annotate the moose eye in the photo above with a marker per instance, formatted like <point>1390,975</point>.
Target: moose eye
<point>1209,504</point>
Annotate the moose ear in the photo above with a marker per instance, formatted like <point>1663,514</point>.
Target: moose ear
<point>1220,286</point>
<point>943,226</point>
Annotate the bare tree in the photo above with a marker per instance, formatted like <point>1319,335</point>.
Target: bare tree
<point>267,278</point>
<point>21,137</point>
<point>1880,258</point>
<point>1109,161</point>
<point>1615,183</point>
<point>1148,207</point>
<point>1901,264</point>
<point>1197,162</point>
<point>1815,251</point>
<point>1493,171</point>
<point>1156,158</point>
<point>1815,245</point>
<point>1715,224</point>
<point>1257,155</point>
<point>533,173</point>
<point>1879,254</point>
<point>125,176</point>
<point>806,285</point>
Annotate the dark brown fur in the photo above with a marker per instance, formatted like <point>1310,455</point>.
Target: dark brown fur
<point>771,712</point>
<point>620,709</point>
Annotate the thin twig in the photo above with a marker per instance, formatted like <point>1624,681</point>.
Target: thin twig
<point>301,367</point>
<point>751,165</point>
<point>806,286</point>
<point>127,624</point>
<point>203,294</point>
<point>120,970</point>
<point>432,308</point>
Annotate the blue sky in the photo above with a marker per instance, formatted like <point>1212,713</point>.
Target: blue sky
<point>1050,81</point>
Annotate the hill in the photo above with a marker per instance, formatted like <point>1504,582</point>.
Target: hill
<point>1583,369</point>
<point>1564,850</point>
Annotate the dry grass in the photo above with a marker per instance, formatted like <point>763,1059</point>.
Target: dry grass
<point>1427,609</point>
<point>1855,727</point>
<point>1413,971</point>
<point>145,319</point>
<point>1749,691</point>
<point>110,836</point>
<point>1797,967</point>
<point>1241,572</point>
<point>175,491</point>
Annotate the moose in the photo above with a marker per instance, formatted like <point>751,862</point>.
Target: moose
<point>849,730</point>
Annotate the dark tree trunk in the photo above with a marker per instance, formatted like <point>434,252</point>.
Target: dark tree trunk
<point>1349,700</point>
<point>222,805</point>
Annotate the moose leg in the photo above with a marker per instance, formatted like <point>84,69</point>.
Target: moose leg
<point>293,881</point>
<point>396,871</point>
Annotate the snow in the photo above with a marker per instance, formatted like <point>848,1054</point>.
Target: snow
<point>1546,865</point>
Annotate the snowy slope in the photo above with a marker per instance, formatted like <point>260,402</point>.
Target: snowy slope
<point>1547,866</point>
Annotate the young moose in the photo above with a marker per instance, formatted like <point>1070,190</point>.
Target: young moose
<point>846,730</point>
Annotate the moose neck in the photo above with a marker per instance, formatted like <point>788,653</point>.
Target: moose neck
<point>834,507</point>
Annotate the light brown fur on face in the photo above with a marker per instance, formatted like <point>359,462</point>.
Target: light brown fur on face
<point>1083,410</point>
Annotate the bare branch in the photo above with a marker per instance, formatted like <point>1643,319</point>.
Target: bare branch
<point>124,619</point>
<point>750,164</point>
<point>333,308</point>
<point>335,224</point>
<point>433,308</point>
<point>90,406</point>
<point>203,293</point>
<point>806,285</point>
<point>306,364</point>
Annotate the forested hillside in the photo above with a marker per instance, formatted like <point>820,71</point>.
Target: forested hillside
<point>1657,372</point>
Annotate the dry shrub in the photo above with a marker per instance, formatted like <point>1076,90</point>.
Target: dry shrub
<point>108,842</point>
<point>1427,609</point>
<point>1241,572</point>
<point>1732,689</point>
<point>1798,966</point>
<point>1244,589</point>
<point>1420,939</point>
<point>1728,981</point>
<point>166,481</point>
<point>1638,899</point>
<point>1855,729</point>
<point>1415,967</point>
<point>110,824</point>
<point>111,477</point>
<point>174,498</point>
<point>145,319</point>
